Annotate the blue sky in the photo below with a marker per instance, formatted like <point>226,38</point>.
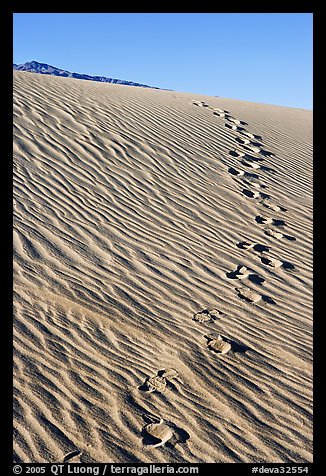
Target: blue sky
<point>258,57</point>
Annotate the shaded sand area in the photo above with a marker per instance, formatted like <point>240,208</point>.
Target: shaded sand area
<point>162,276</point>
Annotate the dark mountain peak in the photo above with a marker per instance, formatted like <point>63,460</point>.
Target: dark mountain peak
<point>44,68</point>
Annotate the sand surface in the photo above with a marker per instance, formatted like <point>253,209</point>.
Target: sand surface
<point>134,211</point>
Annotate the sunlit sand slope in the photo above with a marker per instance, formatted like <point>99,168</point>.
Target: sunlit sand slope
<point>162,276</point>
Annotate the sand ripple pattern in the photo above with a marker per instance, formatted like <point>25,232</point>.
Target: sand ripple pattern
<point>126,224</point>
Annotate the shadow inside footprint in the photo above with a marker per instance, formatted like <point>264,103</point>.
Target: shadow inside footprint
<point>261,220</point>
<point>267,169</point>
<point>233,153</point>
<point>254,278</point>
<point>233,171</point>
<point>287,265</point>
<point>249,193</point>
<point>252,158</point>
<point>149,440</point>
<point>266,153</point>
<point>181,434</point>
<point>261,248</point>
<point>268,299</point>
<point>232,274</point>
<point>235,346</point>
<point>278,222</point>
<point>290,238</point>
<point>244,245</point>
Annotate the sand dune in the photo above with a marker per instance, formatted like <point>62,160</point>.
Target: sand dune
<point>134,338</point>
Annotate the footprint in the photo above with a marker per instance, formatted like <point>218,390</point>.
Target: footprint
<point>234,120</point>
<point>274,234</point>
<point>220,114</point>
<point>250,193</point>
<point>217,109</point>
<point>218,345</point>
<point>159,432</point>
<point>158,382</point>
<point>242,273</point>
<point>252,165</point>
<point>252,158</point>
<point>255,184</point>
<point>266,153</point>
<point>248,134</point>
<point>251,296</point>
<point>233,171</point>
<point>242,141</point>
<point>154,384</point>
<point>168,373</point>
<point>200,103</point>
<point>206,315</point>
<point>255,194</point>
<point>245,245</point>
<point>272,262</point>
<point>252,180</point>
<point>156,434</point>
<point>276,263</point>
<point>277,235</point>
<point>269,221</point>
<point>237,153</point>
<point>231,126</point>
<point>272,206</point>
<point>254,148</point>
<point>248,295</point>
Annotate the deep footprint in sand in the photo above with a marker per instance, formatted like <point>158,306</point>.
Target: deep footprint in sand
<point>251,181</point>
<point>276,263</point>
<point>159,432</point>
<point>251,296</point>
<point>199,103</point>
<point>243,273</point>
<point>207,315</point>
<point>235,121</point>
<point>237,153</point>
<point>277,235</point>
<point>240,273</point>
<point>254,194</point>
<point>269,221</point>
<point>218,345</point>
<point>272,206</point>
<point>233,171</point>
<point>253,165</point>
<point>222,345</point>
<point>245,245</point>
<point>254,148</point>
<point>158,382</point>
<point>219,114</point>
<point>248,134</point>
<point>242,173</point>
<point>234,127</point>
<point>242,141</point>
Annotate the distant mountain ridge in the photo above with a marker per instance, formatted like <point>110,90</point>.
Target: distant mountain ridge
<point>43,68</point>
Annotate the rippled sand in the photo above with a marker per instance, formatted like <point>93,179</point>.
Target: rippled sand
<point>147,225</point>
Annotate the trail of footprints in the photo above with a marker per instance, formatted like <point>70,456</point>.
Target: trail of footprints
<point>159,432</point>
<point>250,152</point>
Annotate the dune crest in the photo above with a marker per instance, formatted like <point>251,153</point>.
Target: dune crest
<point>134,238</point>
